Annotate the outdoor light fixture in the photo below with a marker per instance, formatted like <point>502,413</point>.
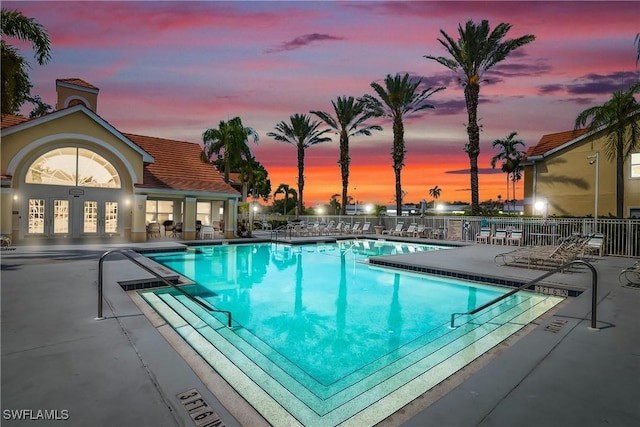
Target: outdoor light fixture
<point>595,158</point>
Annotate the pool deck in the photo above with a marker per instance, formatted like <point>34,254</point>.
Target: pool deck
<point>121,371</point>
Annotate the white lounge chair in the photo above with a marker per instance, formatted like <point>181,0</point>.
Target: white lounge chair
<point>396,230</point>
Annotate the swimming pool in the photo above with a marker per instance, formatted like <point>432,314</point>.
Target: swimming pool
<point>320,337</point>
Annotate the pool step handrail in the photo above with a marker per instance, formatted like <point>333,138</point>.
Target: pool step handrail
<point>125,252</point>
<point>594,292</point>
<point>282,229</point>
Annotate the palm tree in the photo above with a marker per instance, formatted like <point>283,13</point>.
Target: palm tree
<point>399,98</point>
<point>16,84</point>
<point>253,177</point>
<point>231,139</point>
<point>435,192</point>
<point>619,118</point>
<point>302,133</point>
<point>349,115</point>
<point>285,190</point>
<point>476,51</point>
<point>334,203</point>
<point>511,158</point>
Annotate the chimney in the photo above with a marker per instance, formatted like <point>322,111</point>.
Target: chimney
<point>76,91</point>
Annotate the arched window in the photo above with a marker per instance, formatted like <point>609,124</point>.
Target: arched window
<point>73,166</point>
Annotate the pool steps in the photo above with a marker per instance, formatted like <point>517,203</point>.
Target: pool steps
<point>365,396</point>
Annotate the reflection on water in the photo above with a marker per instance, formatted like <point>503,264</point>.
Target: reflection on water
<point>321,306</point>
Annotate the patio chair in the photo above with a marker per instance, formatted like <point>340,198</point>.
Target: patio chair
<point>421,231</point>
<point>331,229</point>
<point>366,228</point>
<point>515,238</point>
<point>6,242</point>
<point>631,276</point>
<point>153,230</point>
<point>396,230</point>
<point>177,230</point>
<point>499,237</point>
<point>543,257</point>
<point>410,231</point>
<point>168,226</point>
<point>207,232</point>
<point>595,244</point>
<point>483,236</point>
<point>353,229</point>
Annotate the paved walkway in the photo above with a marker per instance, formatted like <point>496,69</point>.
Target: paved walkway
<point>121,371</point>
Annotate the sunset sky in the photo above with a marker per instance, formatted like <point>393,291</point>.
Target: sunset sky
<point>172,69</point>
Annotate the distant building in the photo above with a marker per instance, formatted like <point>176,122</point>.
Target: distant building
<point>560,176</point>
<point>71,174</point>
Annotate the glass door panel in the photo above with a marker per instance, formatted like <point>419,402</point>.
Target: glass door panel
<point>36,216</point>
<point>60,216</point>
<point>90,217</point>
<point>111,217</point>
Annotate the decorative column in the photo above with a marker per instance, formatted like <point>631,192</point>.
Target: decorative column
<point>138,218</point>
<point>189,219</point>
<point>230,218</point>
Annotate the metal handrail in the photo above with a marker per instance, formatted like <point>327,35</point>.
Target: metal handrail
<point>282,228</point>
<point>149,270</point>
<point>594,296</point>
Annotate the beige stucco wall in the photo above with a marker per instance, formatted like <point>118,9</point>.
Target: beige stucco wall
<point>67,95</point>
<point>568,182</point>
<point>21,148</point>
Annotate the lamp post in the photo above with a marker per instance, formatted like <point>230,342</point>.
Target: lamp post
<point>595,158</point>
<point>355,196</point>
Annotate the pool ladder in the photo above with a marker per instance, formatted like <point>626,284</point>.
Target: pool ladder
<point>594,292</point>
<point>126,253</point>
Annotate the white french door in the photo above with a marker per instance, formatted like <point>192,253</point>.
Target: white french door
<point>49,217</point>
<point>72,217</point>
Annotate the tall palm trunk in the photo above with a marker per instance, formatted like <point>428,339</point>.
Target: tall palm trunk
<point>345,161</point>
<point>300,177</point>
<point>471,94</point>
<point>398,158</point>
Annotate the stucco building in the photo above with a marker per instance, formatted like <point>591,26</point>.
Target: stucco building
<point>566,171</point>
<point>71,174</point>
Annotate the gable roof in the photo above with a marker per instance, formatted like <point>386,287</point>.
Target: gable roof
<point>18,123</point>
<point>554,141</point>
<point>178,166</point>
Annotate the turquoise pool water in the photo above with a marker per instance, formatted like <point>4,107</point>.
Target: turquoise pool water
<point>327,326</point>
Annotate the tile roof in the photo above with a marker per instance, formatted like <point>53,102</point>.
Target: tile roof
<point>178,166</point>
<point>78,82</point>
<point>554,140</point>
<point>9,120</point>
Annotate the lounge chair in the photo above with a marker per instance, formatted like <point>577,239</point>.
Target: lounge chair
<point>395,231</point>
<point>410,231</point>
<point>515,238</point>
<point>499,237</point>
<point>335,230</point>
<point>483,236</point>
<point>543,257</point>
<point>420,231</point>
<point>353,229</point>
<point>630,276</point>
<point>366,228</point>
